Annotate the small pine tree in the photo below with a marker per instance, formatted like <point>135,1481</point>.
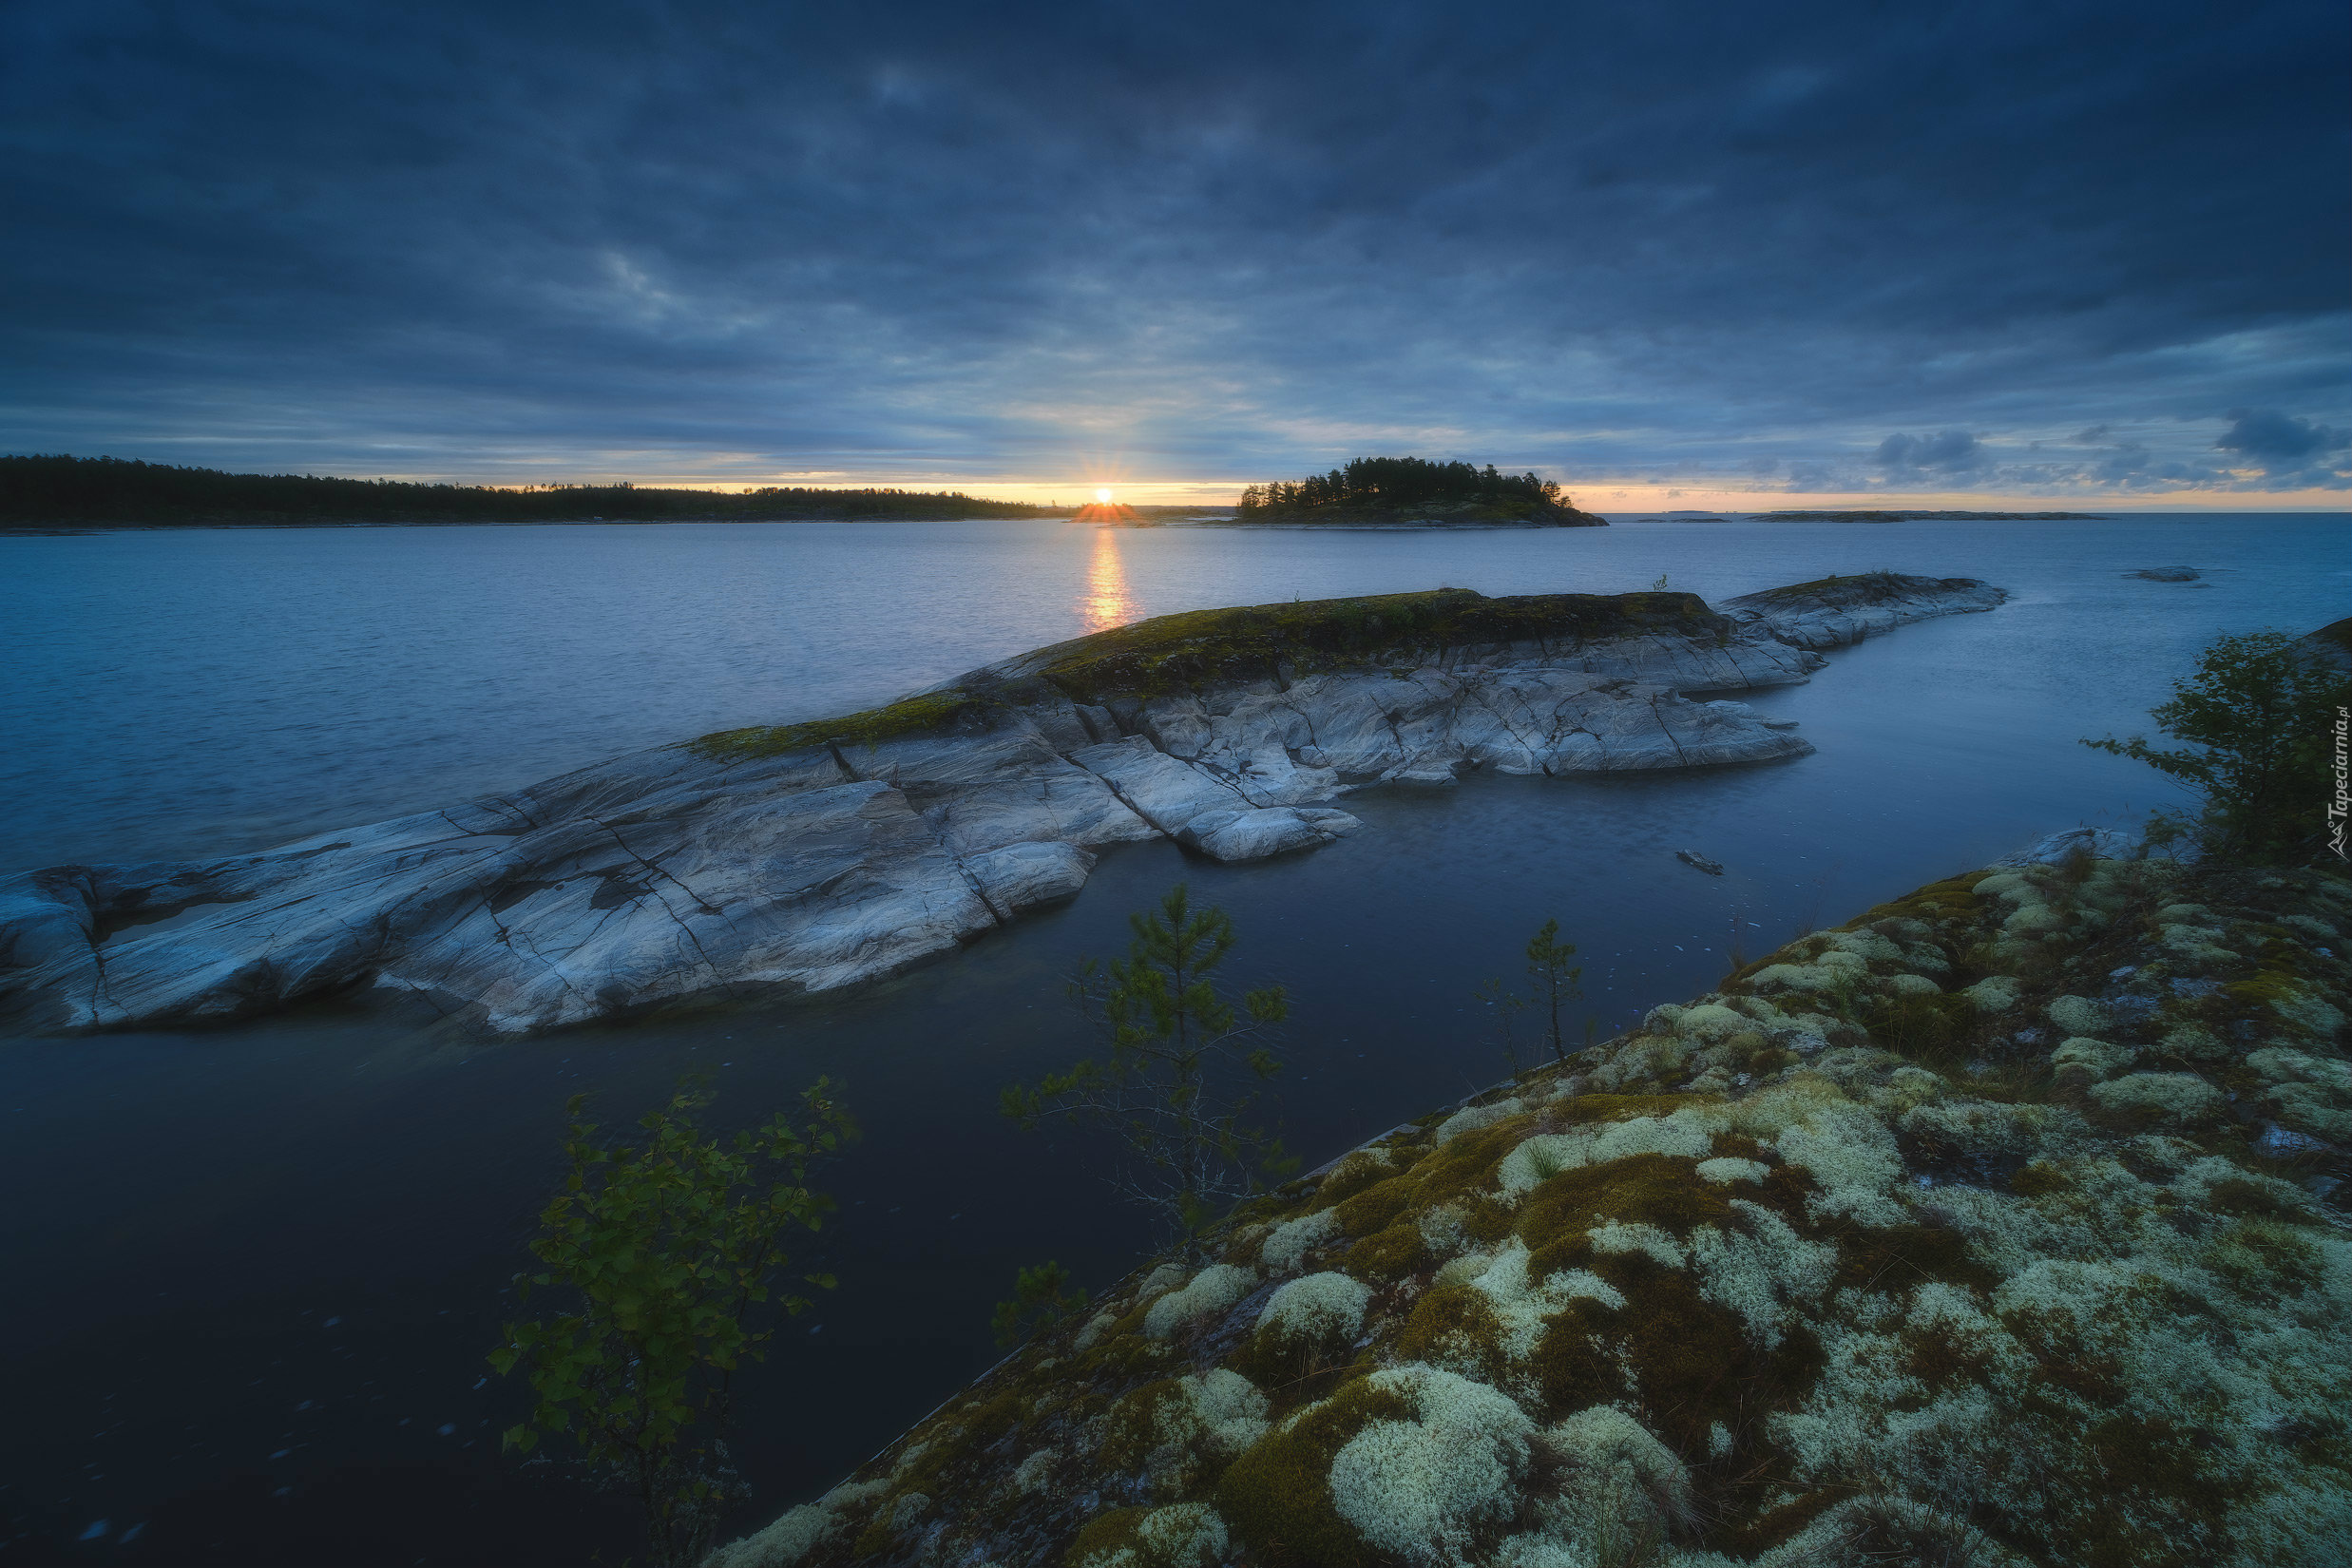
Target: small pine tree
<point>1040,1295</point>
<point>1557,981</point>
<point>1183,1071</point>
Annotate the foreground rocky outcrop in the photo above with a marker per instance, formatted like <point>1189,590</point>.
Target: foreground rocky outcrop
<point>2001,1225</point>
<point>811,856</point>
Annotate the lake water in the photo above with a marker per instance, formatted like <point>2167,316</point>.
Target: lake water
<point>251,1274</point>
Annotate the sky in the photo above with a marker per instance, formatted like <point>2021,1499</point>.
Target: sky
<point>1674,255</point>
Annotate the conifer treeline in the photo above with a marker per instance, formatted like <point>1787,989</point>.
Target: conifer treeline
<point>1387,483</point>
<point>109,489</point>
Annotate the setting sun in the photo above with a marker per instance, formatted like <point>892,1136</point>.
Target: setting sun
<point>1103,496</point>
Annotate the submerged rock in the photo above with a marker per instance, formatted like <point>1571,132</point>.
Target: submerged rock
<point>2166,574</point>
<point>1821,1267</point>
<point>811,856</point>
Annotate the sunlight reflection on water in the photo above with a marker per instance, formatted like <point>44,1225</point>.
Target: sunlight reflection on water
<point>1106,603</point>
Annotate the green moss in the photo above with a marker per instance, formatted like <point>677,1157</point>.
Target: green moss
<point>1125,1351</point>
<point>1107,1533</point>
<point>1581,1109</point>
<point>1184,652</point>
<point>1199,648</point>
<point>1660,1190</point>
<point>1575,1364</point>
<point>926,713</point>
<point>1467,1165</point>
<point>1277,1496</point>
<point>1894,1258</point>
<point>2263,1260</point>
<point>1376,1207</point>
<point>1693,1365</point>
<point>1920,1026</point>
<point>1455,1326</point>
<point>2037,1179</point>
<point>1389,1255</point>
<point>1360,1171</point>
<point>2242,1195</point>
<point>1860,588</point>
<point>1132,1431</point>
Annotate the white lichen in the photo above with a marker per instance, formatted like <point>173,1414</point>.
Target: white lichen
<point>1291,1240</point>
<point>1521,1303</point>
<point>2077,1014</point>
<point>1213,1291</point>
<point>1183,1535</point>
<point>1763,1271</point>
<point>1317,1308</point>
<point>1616,1470</point>
<point>1033,1472</point>
<point>1852,1156</point>
<point>2082,1060</point>
<point>1688,1133</point>
<point>801,1530</point>
<point>1470,1118</point>
<point>1418,1488</point>
<point>1993,994</point>
<point>1616,1239</point>
<point>2314,1093</point>
<point>2160,1098</point>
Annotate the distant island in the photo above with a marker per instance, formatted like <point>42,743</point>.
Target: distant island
<point>37,492</point>
<point>1413,490</point>
<point>1943,517</point>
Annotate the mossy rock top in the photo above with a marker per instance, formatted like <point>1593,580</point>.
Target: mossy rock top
<point>1845,592</point>
<point>1198,649</point>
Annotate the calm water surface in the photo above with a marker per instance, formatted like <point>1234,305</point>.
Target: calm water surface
<point>251,1273</point>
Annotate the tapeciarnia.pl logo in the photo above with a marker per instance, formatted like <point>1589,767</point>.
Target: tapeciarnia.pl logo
<point>2338,806</point>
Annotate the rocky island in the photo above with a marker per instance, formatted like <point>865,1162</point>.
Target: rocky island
<point>2004,1224</point>
<point>1411,491</point>
<point>806,857</point>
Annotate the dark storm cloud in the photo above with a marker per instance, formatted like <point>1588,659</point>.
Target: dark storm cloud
<point>1951,451</point>
<point>1628,242</point>
<point>2278,440</point>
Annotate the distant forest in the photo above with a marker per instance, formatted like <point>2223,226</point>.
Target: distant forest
<point>110,490</point>
<point>1387,485</point>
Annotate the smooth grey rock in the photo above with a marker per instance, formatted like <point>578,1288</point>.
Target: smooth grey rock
<point>673,875</point>
<point>1021,877</point>
<point>1839,611</point>
<point>1264,830</point>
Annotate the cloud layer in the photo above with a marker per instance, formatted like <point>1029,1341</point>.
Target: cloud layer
<point>2046,248</point>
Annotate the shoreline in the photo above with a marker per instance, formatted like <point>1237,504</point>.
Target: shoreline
<point>807,858</point>
<point>1901,1121</point>
<point>265,522</point>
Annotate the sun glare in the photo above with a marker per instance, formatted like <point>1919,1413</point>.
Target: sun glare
<point>1103,496</point>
